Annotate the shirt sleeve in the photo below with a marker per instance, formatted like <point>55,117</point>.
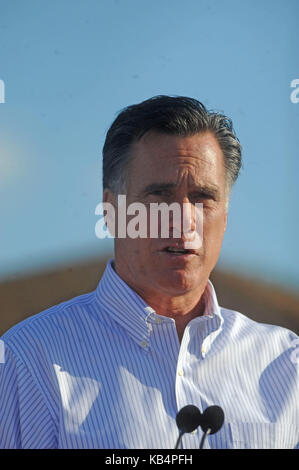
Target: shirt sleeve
<point>25,421</point>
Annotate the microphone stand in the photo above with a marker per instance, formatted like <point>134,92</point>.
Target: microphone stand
<point>205,434</point>
<point>179,440</point>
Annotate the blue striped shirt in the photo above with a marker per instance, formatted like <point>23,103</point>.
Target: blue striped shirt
<point>103,370</point>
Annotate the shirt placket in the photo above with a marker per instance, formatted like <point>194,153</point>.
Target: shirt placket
<point>195,340</point>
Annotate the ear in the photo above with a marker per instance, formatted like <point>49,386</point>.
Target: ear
<point>225,220</point>
<point>110,216</point>
<point>108,196</point>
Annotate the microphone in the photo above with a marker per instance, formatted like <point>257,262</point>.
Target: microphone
<point>187,420</point>
<point>211,421</point>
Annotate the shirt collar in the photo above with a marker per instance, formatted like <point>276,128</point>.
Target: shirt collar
<point>124,305</point>
<point>130,311</point>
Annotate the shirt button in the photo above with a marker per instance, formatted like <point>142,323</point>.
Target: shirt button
<point>181,372</point>
<point>158,321</point>
<point>144,344</point>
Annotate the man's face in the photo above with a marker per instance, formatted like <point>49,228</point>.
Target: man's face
<point>167,168</point>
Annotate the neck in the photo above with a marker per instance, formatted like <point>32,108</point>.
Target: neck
<point>182,308</point>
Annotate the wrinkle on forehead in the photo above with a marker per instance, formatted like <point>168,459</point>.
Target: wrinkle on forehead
<point>188,175</point>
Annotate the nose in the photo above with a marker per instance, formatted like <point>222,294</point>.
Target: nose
<point>189,226</point>
<point>188,217</point>
<point>185,222</point>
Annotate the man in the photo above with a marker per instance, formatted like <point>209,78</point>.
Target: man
<point>112,368</point>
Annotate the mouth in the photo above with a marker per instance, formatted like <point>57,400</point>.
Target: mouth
<point>176,251</point>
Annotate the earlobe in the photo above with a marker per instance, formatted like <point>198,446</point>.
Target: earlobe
<point>225,222</point>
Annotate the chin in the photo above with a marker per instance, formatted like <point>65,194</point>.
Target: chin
<point>179,282</point>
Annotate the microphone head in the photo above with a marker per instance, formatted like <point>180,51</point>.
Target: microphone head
<point>212,418</point>
<point>188,418</point>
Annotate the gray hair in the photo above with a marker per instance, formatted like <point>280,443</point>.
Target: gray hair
<point>175,115</point>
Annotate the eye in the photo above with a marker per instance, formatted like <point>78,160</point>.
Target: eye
<point>200,196</point>
<point>157,192</point>
<point>160,192</point>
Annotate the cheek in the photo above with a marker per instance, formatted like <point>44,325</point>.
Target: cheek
<point>137,251</point>
<point>134,255</point>
<point>213,230</point>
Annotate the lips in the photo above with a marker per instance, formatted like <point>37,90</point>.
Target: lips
<point>178,250</point>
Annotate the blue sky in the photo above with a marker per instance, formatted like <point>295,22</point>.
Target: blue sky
<point>70,65</point>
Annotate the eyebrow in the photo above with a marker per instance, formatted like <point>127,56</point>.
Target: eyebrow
<point>207,189</point>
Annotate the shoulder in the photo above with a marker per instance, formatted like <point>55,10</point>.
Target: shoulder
<point>45,321</point>
<point>248,324</point>
<point>265,335</point>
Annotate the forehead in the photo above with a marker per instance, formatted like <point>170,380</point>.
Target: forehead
<point>160,156</point>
